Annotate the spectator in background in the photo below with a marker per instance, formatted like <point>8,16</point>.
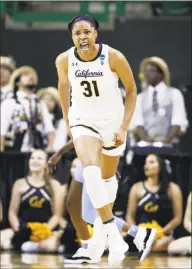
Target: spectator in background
<point>25,121</point>
<point>51,98</point>
<point>35,207</point>
<point>156,202</point>
<point>160,114</point>
<point>182,246</point>
<point>7,66</point>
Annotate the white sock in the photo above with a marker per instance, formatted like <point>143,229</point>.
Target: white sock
<point>111,229</point>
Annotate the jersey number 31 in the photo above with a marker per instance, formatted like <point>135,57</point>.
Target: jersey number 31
<point>88,88</point>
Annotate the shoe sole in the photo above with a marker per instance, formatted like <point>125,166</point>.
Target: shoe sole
<point>80,261</point>
<point>148,245</point>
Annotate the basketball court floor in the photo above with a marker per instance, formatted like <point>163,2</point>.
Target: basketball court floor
<point>13,260</point>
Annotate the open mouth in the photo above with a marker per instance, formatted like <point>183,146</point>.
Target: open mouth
<point>84,46</point>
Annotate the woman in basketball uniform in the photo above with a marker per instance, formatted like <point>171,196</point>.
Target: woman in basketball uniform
<point>156,202</point>
<point>97,119</point>
<point>35,207</point>
<point>183,245</point>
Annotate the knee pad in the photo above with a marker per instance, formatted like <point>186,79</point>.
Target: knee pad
<point>89,213</point>
<point>112,187</point>
<point>95,186</point>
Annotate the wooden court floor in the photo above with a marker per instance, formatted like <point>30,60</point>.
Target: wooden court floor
<point>12,260</point>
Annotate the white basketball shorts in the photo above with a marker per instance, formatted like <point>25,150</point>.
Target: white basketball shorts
<point>103,129</point>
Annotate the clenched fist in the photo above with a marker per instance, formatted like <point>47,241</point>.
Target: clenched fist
<point>119,137</point>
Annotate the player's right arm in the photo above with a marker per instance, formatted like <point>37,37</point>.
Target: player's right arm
<point>63,84</point>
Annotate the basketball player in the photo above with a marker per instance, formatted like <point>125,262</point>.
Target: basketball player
<point>97,120</point>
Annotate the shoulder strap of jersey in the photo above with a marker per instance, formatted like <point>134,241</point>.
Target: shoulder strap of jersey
<point>105,49</point>
<point>103,57</point>
<point>105,52</point>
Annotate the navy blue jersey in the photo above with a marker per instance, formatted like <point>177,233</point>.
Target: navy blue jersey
<point>35,204</point>
<point>153,206</point>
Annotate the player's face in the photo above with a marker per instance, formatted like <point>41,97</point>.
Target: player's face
<point>84,35</point>
<point>151,166</point>
<point>49,100</point>
<point>37,161</point>
<point>152,75</point>
<point>4,75</point>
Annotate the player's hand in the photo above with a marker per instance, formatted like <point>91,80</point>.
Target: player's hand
<point>119,137</point>
<point>53,160</point>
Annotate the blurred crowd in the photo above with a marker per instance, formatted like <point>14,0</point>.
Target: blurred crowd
<point>31,117</point>
<point>31,121</point>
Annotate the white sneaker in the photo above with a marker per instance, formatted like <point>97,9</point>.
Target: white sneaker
<point>81,256</point>
<point>117,247</point>
<point>98,242</point>
<point>143,240</point>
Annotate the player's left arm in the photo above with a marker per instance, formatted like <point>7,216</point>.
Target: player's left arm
<point>119,64</point>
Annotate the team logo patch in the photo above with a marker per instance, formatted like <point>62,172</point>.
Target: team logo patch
<point>102,57</point>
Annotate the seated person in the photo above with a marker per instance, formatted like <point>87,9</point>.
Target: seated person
<point>156,202</point>
<point>182,246</point>
<point>35,208</point>
<point>160,114</point>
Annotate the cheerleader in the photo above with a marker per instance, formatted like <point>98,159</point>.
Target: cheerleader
<point>156,202</point>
